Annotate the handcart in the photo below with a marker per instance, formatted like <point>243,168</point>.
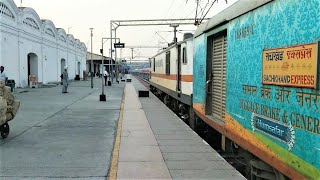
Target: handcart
<point>9,106</point>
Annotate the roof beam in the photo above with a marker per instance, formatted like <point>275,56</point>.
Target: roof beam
<point>146,47</point>
<point>152,22</point>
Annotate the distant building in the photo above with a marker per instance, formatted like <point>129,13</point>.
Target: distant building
<point>31,46</point>
<point>97,61</point>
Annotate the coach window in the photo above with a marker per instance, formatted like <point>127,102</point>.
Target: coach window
<point>168,62</point>
<point>184,56</point>
<point>154,64</point>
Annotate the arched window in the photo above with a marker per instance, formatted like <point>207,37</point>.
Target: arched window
<point>31,23</point>
<point>62,38</point>
<point>71,43</point>
<point>5,11</point>
<point>49,32</point>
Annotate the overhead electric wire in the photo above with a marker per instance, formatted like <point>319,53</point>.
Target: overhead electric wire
<point>170,16</point>
<point>179,6</point>
<point>208,10</point>
<point>170,8</point>
<point>203,9</point>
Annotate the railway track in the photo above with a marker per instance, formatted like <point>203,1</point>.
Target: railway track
<point>143,78</point>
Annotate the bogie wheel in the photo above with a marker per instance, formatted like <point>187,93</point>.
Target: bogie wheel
<point>5,129</point>
<point>166,100</point>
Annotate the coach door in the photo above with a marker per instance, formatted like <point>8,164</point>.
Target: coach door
<point>179,69</point>
<point>216,77</point>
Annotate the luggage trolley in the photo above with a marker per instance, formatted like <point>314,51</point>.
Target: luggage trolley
<point>5,129</point>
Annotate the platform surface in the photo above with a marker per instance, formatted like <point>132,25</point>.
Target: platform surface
<point>62,136</point>
<point>157,144</point>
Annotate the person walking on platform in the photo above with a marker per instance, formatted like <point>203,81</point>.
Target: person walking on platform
<point>65,80</point>
<point>105,74</point>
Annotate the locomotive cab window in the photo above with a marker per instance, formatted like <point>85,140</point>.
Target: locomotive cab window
<point>168,62</point>
<point>184,56</point>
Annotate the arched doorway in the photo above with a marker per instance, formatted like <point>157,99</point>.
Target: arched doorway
<point>32,66</point>
<point>63,64</point>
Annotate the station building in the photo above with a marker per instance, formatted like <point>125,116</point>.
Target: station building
<point>97,61</point>
<point>31,46</point>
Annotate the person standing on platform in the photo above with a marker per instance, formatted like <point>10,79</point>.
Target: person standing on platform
<point>113,73</point>
<point>3,75</point>
<point>65,80</point>
<point>105,74</point>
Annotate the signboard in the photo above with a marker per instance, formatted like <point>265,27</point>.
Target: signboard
<point>274,129</point>
<point>295,66</point>
<point>118,45</point>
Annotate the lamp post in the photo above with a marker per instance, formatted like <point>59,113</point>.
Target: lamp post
<point>103,96</point>
<point>115,58</point>
<point>91,69</point>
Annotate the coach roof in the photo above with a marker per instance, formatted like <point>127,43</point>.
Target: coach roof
<point>235,10</point>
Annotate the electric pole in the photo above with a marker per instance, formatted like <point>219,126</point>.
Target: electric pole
<point>91,73</point>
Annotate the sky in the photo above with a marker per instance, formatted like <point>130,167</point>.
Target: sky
<point>77,16</point>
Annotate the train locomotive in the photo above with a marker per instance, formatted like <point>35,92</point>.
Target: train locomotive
<point>249,80</point>
<point>171,75</point>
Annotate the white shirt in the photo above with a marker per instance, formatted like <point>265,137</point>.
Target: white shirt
<point>106,73</point>
<point>3,76</point>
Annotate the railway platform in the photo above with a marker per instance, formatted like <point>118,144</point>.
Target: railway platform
<point>154,143</point>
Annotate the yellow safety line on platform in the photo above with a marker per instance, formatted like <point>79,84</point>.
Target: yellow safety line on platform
<point>115,154</point>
